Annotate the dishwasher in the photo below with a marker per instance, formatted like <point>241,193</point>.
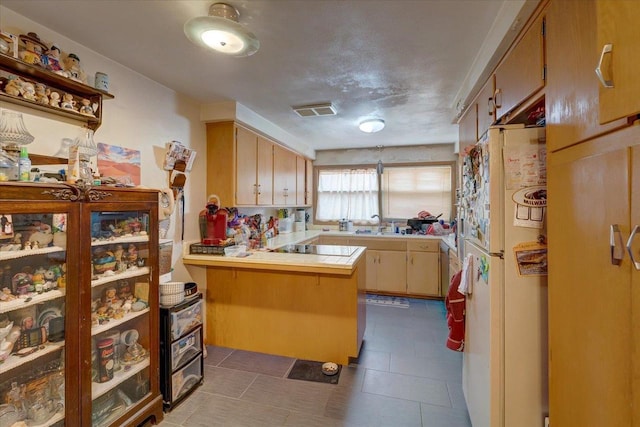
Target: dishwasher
<point>444,268</point>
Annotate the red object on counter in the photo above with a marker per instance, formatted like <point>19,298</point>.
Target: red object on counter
<point>455,304</point>
<point>214,220</point>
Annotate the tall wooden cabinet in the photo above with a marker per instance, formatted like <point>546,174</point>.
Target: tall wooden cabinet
<point>593,206</point>
<point>80,270</point>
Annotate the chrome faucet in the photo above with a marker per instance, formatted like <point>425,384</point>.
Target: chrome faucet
<point>379,222</point>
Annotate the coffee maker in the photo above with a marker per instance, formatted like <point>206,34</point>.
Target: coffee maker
<point>213,222</point>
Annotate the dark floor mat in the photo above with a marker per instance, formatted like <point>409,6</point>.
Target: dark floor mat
<point>308,370</point>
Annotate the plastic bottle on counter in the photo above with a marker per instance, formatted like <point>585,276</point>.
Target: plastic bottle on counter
<point>24,165</point>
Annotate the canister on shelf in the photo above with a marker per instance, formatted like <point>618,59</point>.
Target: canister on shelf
<point>106,360</point>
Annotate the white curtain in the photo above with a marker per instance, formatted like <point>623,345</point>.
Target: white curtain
<point>347,194</point>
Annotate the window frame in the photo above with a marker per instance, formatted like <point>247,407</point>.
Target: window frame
<point>317,169</point>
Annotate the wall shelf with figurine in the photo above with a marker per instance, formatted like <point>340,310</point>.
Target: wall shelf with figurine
<point>79,97</point>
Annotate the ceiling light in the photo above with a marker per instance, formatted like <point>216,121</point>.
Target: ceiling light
<point>221,31</point>
<point>371,125</point>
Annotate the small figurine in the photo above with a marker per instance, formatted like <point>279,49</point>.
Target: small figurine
<point>132,254</point>
<point>67,102</point>
<point>42,94</point>
<point>13,86</point>
<point>72,67</point>
<point>53,60</point>
<point>85,108</point>
<point>28,91</point>
<point>34,49</point>
<point>54,99</point>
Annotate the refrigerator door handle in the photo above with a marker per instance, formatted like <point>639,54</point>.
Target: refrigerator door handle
<point>636,264</point>
<point>617,252</point>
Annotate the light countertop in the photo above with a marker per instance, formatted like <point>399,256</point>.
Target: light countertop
<point>263,259</point>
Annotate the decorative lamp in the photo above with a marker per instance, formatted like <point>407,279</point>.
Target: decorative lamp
<point>12,129</point>
<point>221,32</point>
<point>371,125</point>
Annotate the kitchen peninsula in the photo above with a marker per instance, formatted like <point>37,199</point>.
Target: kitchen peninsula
<point>299,305</point>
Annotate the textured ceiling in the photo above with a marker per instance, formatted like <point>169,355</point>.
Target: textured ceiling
<point>407,62</point>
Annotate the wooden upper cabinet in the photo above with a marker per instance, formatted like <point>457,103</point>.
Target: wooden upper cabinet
<point>486,106</point>
<point>468,128</point>
<point>571,93</point>
<point>284,177</point>
<point>265,171</point>
<point>619,46</point>
<point>246,167</point>
<point>254,168</point>
<point>300,180</point>
<point>308,182</point>
<point>521,73</point>
<point>479,116</point>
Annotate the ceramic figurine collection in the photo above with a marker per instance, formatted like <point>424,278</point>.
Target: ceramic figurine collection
<point>32,50</point>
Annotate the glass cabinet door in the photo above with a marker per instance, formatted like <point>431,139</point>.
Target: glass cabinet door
<point>121,315</point>
<point>34,313</point>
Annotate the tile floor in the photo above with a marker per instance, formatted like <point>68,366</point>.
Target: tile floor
<point>405,376</point>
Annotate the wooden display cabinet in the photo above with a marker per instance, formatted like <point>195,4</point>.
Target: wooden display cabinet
<point>97,252</point>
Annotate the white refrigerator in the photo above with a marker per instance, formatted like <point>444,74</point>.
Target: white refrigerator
<point>502,206</point>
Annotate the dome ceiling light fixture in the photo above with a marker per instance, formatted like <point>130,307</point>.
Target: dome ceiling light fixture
<point>371,125</point>
<point>221,32</point>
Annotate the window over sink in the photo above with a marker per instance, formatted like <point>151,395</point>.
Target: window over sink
<point>399,193</point>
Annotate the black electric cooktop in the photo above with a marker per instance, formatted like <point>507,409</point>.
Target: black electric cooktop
<point>317,250</point>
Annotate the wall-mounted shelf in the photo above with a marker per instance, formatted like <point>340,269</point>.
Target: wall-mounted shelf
<point>57,83</point>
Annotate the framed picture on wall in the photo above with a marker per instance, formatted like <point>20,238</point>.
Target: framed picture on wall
<point>119,163</point>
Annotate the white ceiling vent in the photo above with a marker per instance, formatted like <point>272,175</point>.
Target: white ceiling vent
<point>315,110</point>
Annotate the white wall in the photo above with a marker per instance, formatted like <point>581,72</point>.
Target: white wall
<point>144,115</point>
<point>408,154</point>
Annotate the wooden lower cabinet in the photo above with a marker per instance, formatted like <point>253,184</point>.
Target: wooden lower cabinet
<point>421,279</point>
<point>390,271</point>
<point>396,265</point>
<point>594,300</point>
<point>313,316</point>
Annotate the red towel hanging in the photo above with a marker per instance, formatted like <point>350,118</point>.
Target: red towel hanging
<point>455,305</point>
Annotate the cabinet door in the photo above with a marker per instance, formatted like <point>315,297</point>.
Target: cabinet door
<point>486,106</point>
<point>521,73</point>
<point>468,128</point>
<point>120,343</point>
<point>372,270</point>
<point>246,164</point>
<point>572,89</point>
<point>39,317</point>
<point>590,329</point>
<point>284,176</point>
<point>635,287</point>
<point>265,172</point>
<point>308,182</point>
<point>392,271</point>
<point>618,27</point>
<point>423,273</point>
<point>300,180</point>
